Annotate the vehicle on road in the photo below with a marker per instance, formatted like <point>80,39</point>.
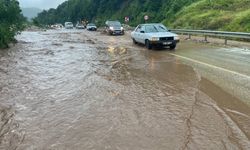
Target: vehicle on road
<point>80,26</point>
<point>91,27</point>
<point>68,25</point>
<point>56,26</point>
<point>154,34</point>
<point>114,28</point>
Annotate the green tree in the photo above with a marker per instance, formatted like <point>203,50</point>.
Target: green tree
<point>11,21</point>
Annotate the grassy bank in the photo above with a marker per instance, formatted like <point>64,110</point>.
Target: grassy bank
<point>229,15</point>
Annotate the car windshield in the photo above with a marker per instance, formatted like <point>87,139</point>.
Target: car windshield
<point>69,23</point>
<point>155,28</point>
<point>91,24</point>
<point>116,24</point>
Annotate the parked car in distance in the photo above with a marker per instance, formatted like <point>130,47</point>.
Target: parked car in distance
<point>91,27</point>
<point>114,28</point>
<point>80,26</point>
<point>68,25</point>
<point>56,26</point>
<point>154,34</point>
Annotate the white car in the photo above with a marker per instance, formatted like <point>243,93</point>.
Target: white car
<point>154,34</point>
<point>91,27</point>
<point>80,26</point>
<point>69,25</point>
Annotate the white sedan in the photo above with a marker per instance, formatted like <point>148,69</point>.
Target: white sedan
<point>91,27</point>
<point>154,34</point>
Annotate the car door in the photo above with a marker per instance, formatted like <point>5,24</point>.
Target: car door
<point>141,35</point>
<point>136,33</point>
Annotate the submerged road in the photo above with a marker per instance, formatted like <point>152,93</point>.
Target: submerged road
<point>69,89</point>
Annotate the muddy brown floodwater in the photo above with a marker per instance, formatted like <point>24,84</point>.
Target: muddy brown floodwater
<point>76,90</point>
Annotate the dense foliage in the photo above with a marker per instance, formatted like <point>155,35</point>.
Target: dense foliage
<point>100,10</point>
<point>10,21</point>
<point>231,15</point>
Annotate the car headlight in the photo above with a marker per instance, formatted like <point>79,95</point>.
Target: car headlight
<point>154,39</point>
<point>176,38</point>
<point>111,28</point>
<point>122,28</point>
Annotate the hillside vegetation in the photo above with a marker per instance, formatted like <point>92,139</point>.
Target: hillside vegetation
<point>230,15</point>
<point>11,21</point>
<point>99,11</point>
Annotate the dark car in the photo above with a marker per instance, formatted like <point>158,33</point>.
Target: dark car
<point>114,28</point>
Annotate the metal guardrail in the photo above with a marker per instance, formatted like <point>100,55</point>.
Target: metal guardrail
<point>206,33</point>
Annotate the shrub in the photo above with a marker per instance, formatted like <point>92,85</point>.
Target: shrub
<point>229,15</point>
<point>11,21</point>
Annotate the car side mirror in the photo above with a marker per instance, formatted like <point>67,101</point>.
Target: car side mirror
<point>142,31</point>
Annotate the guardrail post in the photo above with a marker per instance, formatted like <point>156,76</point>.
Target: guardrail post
<point>225,41</point>
<point>189,36</point>
<point>205,38</point>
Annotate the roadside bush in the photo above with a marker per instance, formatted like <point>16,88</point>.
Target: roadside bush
<point>11,21</point>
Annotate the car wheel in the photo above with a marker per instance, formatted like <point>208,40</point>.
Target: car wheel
<point>148,45</point>
<point>172,47</point>
<point>134,41</point>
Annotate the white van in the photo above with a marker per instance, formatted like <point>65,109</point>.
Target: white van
<point>69,25</point>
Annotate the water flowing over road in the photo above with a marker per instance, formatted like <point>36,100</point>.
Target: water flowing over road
<point>69,89</point>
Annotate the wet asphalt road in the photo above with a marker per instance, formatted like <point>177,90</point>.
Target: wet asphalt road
<point>68,89</point>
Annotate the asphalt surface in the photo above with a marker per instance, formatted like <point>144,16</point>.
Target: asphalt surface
<point>74,89</point>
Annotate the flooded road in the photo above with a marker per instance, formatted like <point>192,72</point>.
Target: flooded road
<point>86,90</point>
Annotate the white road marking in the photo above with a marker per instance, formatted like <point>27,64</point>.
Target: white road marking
<point>212,66</point>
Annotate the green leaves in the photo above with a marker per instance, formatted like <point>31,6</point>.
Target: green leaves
<point>101,10</point>
<point>228,15</point>
<point>231,15</point>
<point>11,21</point>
